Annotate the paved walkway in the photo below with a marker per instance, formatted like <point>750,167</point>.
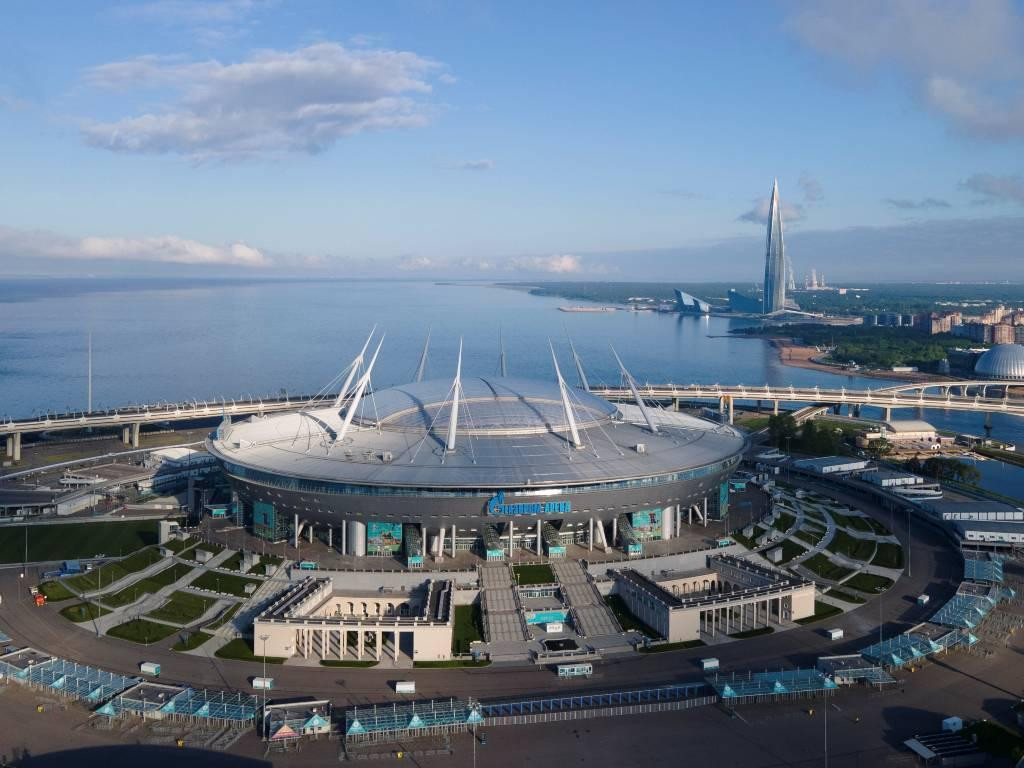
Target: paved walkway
<point>582,597</point>
<point>502,618</point>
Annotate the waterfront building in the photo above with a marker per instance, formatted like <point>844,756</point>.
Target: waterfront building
<point>775,266</point>
<point>486,464</point>
<point>690,305</point>
<point>1004,361</point>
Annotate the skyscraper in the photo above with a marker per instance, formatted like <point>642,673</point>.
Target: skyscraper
<point>774,258</point>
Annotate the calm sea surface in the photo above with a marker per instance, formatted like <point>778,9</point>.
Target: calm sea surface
<point>159,340</point>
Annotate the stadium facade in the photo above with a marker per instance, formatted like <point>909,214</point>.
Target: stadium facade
<point>485,463</point>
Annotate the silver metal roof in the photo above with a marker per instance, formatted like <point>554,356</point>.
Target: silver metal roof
<point>515,436</point>
<point>1003,361</point>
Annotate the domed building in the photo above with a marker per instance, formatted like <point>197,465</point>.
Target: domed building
<point>1003,361</point>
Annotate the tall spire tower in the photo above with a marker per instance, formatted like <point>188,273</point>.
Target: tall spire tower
<point>774,258</point>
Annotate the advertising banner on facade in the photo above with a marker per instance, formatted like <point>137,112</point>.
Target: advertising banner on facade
<point>646,523</point>
<point>383,538</point>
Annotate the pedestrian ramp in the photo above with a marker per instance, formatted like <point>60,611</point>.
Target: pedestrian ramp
<point>503,621</point>
<point>593,617</point>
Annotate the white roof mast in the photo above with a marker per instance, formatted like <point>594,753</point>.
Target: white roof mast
<point>453,419</point>
<point>357,396</point>
<point>636,394</point>
<point>352,369</point>
<point>564,390</point>
<point>579,366</point>
<point>422,368</point>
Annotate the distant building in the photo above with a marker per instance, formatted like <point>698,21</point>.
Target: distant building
<point>691,305</point>
<point>828,465</point>
<point>775,268</point>
<point>743,304</point>
<point>1003,333</point>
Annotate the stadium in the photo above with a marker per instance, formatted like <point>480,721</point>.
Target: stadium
<point>486,464</point>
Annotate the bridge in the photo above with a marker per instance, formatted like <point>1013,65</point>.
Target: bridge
<point>955,395</point>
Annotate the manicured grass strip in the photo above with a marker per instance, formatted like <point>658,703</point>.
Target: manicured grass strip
<point>868,582</point>
<point>146,586</point>
<point>665,647</point>
<point>825,568</point>
<point>877,527</point>
<point>347,663</point>
<point>225,617</point>
<point>785,522</point>
<point>534,574</point>
<point>142,631</point>
<point>195,639</point>
<point>55,591</point>
<point>748,543</point>
<point>626,618</point>
<point>846,597</point>
<point>888,556</point>
<point>214,549</point>
<point>83,612</point>
<point>821,611</point>
<point>752,633</point>
<point>451,664</point>
<point>224,582</point>
<point>111,572</point>
<point>467,627</point>
<point>808,536</point>
<point>266,560</point>
<point>233,563</point>
<point>845,544</point>
<point>179,545</point>
<point>790,549</point>
<point>72,541</point>
<point>182,608</point>
<point>240,649</point>
<point>859,524</point>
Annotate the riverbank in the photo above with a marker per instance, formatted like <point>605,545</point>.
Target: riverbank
<point>799,356</point>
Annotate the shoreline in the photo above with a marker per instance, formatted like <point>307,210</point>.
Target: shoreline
<point>799,356</point>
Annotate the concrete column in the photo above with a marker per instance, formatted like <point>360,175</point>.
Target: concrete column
<point>309,533</point>
<point>379,638</point>
<point>675,404</point>
<point>775,407</point>
<point>453,540</point>
<point>511,533</point>
<point>440,542</point>
<point>721,409</point>
<point>14,446</point>
<point>360,643</point>
<point>296,532</point>
<point>136,429</point>
<point>732,409</point>
<point>325,638</point>
<point>705,511</point>
<point>344,539</point>
<point>356,538</point>
<point>126,434</point>
<point>615,530</point>
<point>590,537</point>
<point>666,523</point>
<point>679,521</point>
<point>540,550</point>
<point>330,537</point>
<point>887,414</point>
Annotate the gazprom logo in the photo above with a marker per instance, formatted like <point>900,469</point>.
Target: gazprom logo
<point>496,506</point>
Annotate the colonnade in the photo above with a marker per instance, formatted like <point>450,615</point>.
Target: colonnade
<point>744,615</point>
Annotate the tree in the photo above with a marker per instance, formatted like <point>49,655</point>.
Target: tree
<point>781,427</point>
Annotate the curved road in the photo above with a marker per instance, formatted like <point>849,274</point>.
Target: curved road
<point>936,569</point>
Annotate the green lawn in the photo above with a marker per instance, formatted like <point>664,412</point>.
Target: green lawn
<point>825,568</point>
<point>845,544</point>
<point>888,556</point>
<point>240,649</point>
<point>859,524</point>
<point>748,543</point>
<point>785,522</point>
<point>626,618</point>
<point>467,627</point>
<point>179,545</point>
<point>75,540</point>
<point>83,612</point>
<point>142,631</point>
<point>451,663</point>
<point>347,663</point>
<point>877,527</point>
<point>148,585</point>
<point>264,561</point>
<point>225,617</point>
<point>752,633</point>
<point>214,549</point>
<point>224,582</point>
<point>193,641</point>
<point>534,574</point>
<point>114,571</point>
<point>846,597</point>
<point>55,591</point>
<point>665,647</point>
<point>791,549</point>
<point>233,563</point>
<point>868,582</point>
<point>821,611</point>
<point>811,537</point>
<point>182,608</point>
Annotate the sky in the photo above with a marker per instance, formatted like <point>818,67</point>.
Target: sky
<point>572,140</point>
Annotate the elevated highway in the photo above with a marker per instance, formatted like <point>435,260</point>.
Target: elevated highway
<point>979,396</point>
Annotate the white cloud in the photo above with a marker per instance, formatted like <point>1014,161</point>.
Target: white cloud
<point>813,192</point>
<point>996,188</point>
<point>759,213</point>
<point>965,59</point>
<point>163,248</point>
<point>274,101</point>
<point>912,205</point>
<point>416,263</point>
<point>556,264</point>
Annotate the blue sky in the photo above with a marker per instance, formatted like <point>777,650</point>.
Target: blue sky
<point>564,140</point>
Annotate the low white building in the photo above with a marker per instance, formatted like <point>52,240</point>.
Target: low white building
<point>975,511</point>
<point>887,478</point>
<point>984,532</point>
<point>828,465</point>
<point>173,466</point>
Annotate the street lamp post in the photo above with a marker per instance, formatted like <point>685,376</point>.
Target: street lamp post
<point>264,638</point>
